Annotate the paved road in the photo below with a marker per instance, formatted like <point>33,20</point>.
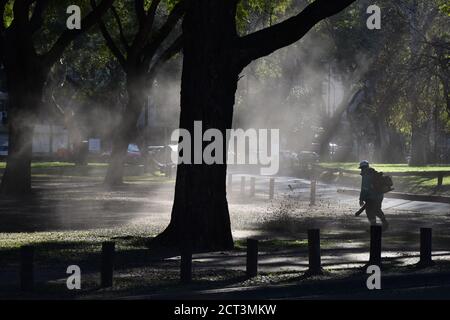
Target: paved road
<point>301,187</point>
<point>82,204</point>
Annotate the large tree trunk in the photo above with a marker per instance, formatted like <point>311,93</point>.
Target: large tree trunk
<point>16,179</point>
<point>200,216</point>
<point>418,141</point>
<point>214,56</point>
<point>26,73</point>
<point>25,88</point>
<point>419,146</point>
<point>125,133</point>
<point>114,174</point>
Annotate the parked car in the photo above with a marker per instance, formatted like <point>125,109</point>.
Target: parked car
<point>153,150</point>
<point>134,155</point>
<point>288,161</point>
<point>162,154</point>
<point>161,158</point>
<point>307,158</point>
<point>341,153</point>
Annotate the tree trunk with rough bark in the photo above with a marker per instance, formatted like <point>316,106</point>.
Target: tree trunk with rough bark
<point>16,179</point>
<point>25,83</point>
<point>126,132</point>
<point>419,145</point>
<point>26,72</point>
<point>213,57</point>
<point>200,214</point>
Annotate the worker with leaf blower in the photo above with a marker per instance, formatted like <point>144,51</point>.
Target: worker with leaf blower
<point>373,187</point>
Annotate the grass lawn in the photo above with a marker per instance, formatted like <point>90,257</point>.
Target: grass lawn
<point>93,169</point>
<point>135,271</point>
<point>56,164</point>
<point>413,184</point>
<point>84,243</point>
<point>401,167</point>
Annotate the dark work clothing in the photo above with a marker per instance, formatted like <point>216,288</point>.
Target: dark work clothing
<point>367,190</point>
<point>373,210</point>
<point>372,198</point>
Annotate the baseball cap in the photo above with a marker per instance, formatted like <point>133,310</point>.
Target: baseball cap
<point>363,164</point>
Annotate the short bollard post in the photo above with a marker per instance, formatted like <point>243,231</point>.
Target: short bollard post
<point>315,264</point>
<point>171,172</point>
<point>252,258</point>
<point>375,245</point>
<point>186,265</point>
<point>107,263</point>
<point>271,188</point>
<point>252,186</point>
<point>230,184</point>
<point>27,268</point>
<point>312,198</point>
<point>440,179</point>
<point>242,185</point>
<point>425,247</point>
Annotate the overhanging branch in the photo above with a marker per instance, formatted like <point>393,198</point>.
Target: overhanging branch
<point>172,20</point>
<point>21,11</point>
<point>145,27</point>
<point>140,11</point>
<point>119,25</point>
<point>69,35</point>
<point>171,51</point>
<point>2,14</point>
<point>111,44</point>
<point>268,40</point>
<point>36,20</point>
